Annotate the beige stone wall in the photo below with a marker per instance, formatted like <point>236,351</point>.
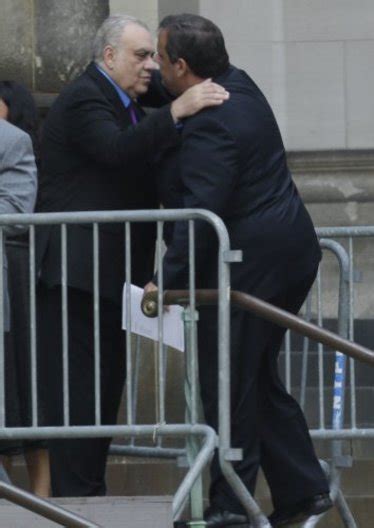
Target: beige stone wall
<point>152,11</point>
<point>314,61</point>
<point>146,10</point>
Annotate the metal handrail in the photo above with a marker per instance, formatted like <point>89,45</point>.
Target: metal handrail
<point>124,220</point>
<point>43,507</point>
<point>265,310</point>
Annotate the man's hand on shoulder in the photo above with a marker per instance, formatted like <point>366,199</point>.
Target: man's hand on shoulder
<point>199,96</point>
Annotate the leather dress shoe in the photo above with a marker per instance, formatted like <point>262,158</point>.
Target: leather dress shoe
<point>216,517</point>
<point>301,511</point>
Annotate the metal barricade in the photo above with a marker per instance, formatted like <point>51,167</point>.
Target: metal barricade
<point>353,279</point>
<point>323,431</point>
<point>286,320</point>
<point>201,437</point>
<point>335,431</point>
<point>337,381</point>
<point>336,393</point>
<point>346,370</point>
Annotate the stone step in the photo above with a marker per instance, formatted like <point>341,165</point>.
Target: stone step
<point>136,477</point>
<point>357,481</point>
<point>364,406</point>
<point>364,375</point>
<point>125,476</point>
<point>362,509</point>
<point>175,407</point>
<point>163,477</point>
<point>130,476</point>
<point>155,512</point>
<point>108,512</point>
<point>359,449</point>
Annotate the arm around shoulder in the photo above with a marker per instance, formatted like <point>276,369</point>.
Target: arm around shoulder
<point>95,129</point>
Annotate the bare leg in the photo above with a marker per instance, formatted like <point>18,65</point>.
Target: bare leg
<point>37,461</point>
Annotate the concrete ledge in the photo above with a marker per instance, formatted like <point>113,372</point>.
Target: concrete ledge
<point>334,176</point>
<point>331,160</point>
<point>109,512</point>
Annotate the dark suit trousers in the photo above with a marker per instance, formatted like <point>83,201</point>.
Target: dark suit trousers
<point>78,465</point>
<point>267,423</point>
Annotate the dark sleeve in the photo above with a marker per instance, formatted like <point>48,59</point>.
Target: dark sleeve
<point>94,130</point>
<point>209,169</point>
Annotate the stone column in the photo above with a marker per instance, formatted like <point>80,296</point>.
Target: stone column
<point>16,40</point>
<point>65,31</point>
<point>46,43</point>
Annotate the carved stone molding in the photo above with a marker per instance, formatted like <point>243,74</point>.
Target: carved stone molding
<point>334,176</point>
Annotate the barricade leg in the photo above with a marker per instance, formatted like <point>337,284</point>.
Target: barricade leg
<point>192,412</point>
<point>338,460</point>
<point>4,477</point>
<point>344,511</point>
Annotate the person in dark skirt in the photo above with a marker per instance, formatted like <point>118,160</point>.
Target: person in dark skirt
<point>19,109</point>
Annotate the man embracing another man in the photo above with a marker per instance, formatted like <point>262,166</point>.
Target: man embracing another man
<point>232,161</point>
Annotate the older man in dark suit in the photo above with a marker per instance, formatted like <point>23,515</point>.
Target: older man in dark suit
<point>232,162</point>
<point>96,152</point>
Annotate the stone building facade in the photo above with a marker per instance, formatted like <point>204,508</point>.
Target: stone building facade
<point>313,61</point>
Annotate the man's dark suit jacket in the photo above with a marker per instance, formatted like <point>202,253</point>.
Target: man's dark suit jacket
<point>94,160</point>
<point>232,162</point>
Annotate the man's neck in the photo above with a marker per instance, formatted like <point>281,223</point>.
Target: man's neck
<point>103,67</point>
<point>191,80</point>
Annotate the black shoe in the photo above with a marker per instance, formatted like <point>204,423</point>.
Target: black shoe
<point>301,511</point>
<point>216,517</point>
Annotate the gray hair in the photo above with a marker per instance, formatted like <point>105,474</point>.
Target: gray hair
<point>110,33</point>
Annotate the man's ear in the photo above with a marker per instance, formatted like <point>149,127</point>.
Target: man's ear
<point>108,56</point>
<point>181,67</point>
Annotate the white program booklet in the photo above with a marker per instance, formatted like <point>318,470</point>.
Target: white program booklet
<point>173,331</point>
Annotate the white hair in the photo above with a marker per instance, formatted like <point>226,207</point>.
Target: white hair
<point>110,33</point>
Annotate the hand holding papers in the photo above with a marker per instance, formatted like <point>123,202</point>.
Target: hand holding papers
<point>173,331</point>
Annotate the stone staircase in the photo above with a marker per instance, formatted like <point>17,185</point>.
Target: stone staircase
<point>357,481</point>
<point>132,478</point>
<point>357,485</point>
<point>135,485</point>
<point>108,512</point>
